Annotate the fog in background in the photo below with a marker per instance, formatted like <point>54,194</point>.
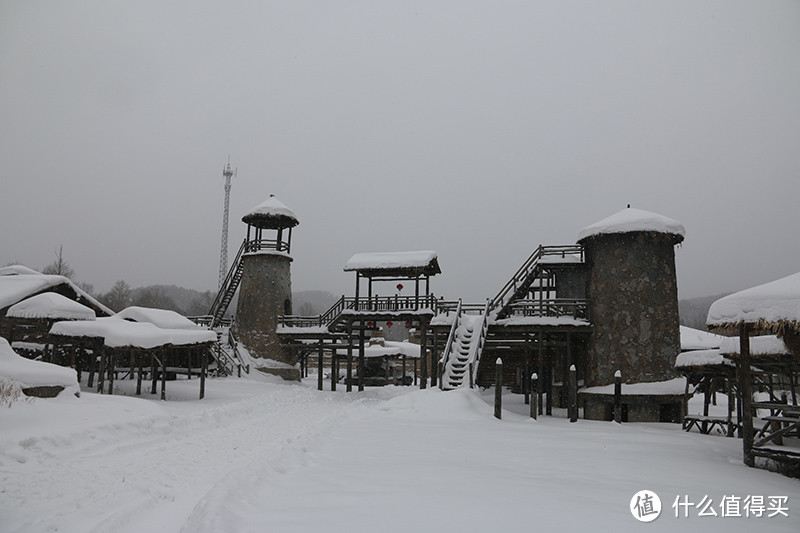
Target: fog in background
<point>477,129</point>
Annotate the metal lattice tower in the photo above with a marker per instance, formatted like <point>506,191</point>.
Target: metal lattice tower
<point>227,173</point>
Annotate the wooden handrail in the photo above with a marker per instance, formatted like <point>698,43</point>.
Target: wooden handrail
<point>448,347</point>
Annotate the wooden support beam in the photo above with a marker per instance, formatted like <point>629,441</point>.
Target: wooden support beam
<point>746,393</point>
<point>361,363</point>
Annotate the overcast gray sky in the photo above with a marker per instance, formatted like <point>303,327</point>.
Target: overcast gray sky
<point>479,129</point>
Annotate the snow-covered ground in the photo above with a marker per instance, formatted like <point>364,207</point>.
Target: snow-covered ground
<point>261,455</point>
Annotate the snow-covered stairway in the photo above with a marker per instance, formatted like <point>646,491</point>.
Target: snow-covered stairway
<point>464,347</point>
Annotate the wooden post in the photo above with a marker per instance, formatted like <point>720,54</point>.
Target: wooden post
<point>92,365</point>
<point>203,369</point>
<point>111,368</point>
<point>334,368</point>
<point>163,375</point>
<point>404,369</point>
<point>349,378</point>
<point>731,406</point>
<point>498,388</point>
<point>188,364</point>
<point>572,394</point>
<point>434,361</point>
<point>101,372</point>
<point>361,356</point>
<point>423,341</point>
<point>746,392</point>
<point>540,372</point>
<point>618,397</point>
<point>361,365</point>
<point>471,375</point>
<point>416,371</point>
<point>549,384</point>
<point>153,374</point>
<point>319,365</point>
<point>534,396</point>
<point>525,382</point>
<point>139,373</point>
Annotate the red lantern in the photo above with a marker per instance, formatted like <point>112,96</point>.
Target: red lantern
<point>408,323</point>
<point>389,324</point>
<point>370,323</point>
<point>399,286</point>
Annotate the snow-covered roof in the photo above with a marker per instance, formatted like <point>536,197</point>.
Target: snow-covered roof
<point>759,345</point>
<point>423,260</point>
<point>701,358</point>
<point>408,349</point>
<point>515,320</point>
<point>162,318</point>
<point>271,214</point>
<point>118,333</point>
<point>695,339</point>
<point>31,373</point>
<point>18,283</point>
<point>634,220</point>
<point>657,388</point>
<point>50,305</point>
<point>12,270</point>
<point>773,305</point>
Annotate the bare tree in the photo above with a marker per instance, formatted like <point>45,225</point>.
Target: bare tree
<point>60,266</point>
<point>119,297</point>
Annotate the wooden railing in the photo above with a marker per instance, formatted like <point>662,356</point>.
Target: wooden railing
<point>476,350</point>
<point>520,277</point>
<point>363,304</point>
<point>266,244</point>
<point>558,307</point>
<point>448,346</point>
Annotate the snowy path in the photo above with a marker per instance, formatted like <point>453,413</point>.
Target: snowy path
<point>147,474</point>
<point>265,456</point>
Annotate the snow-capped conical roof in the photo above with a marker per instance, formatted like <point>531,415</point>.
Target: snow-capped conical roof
<point>271,214</point>
<point>634,220</point>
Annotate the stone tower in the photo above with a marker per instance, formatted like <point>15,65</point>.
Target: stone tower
<point>634,297</point>
<point>265,292</point>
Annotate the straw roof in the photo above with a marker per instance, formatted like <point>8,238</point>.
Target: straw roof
<point>271,214</point>
<point>773,306</point>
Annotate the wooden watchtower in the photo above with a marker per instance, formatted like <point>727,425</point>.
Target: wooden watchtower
<point>266,287</point>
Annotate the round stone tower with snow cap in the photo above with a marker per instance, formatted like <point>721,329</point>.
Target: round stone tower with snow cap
<point>634,297</point>
<point>265,291</point>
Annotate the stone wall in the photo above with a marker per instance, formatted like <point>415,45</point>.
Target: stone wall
<point>634,307</point>
<point>265,293</point>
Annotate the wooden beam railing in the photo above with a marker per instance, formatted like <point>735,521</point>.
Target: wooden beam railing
<point>519,278</point>
<point>558,307</point>
<point>256,245</point>
<point>364,304</point>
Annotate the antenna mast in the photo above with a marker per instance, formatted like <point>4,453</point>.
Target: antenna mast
<point>227,173</point>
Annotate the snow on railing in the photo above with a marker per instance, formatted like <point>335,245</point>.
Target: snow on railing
<point>448,347</point>
<point>477,347</point>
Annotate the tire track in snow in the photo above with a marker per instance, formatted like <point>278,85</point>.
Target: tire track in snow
<point>153,472</point>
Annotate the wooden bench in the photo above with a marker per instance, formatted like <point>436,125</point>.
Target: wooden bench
<point>705,424</point>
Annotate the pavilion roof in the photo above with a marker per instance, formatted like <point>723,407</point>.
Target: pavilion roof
<point>424,262</point>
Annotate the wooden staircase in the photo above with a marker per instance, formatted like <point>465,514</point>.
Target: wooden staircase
<point>228,288</point>
<point>467,337</point>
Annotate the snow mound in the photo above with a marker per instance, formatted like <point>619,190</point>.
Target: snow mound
<point>695,339</point>
<point>30,373</point>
